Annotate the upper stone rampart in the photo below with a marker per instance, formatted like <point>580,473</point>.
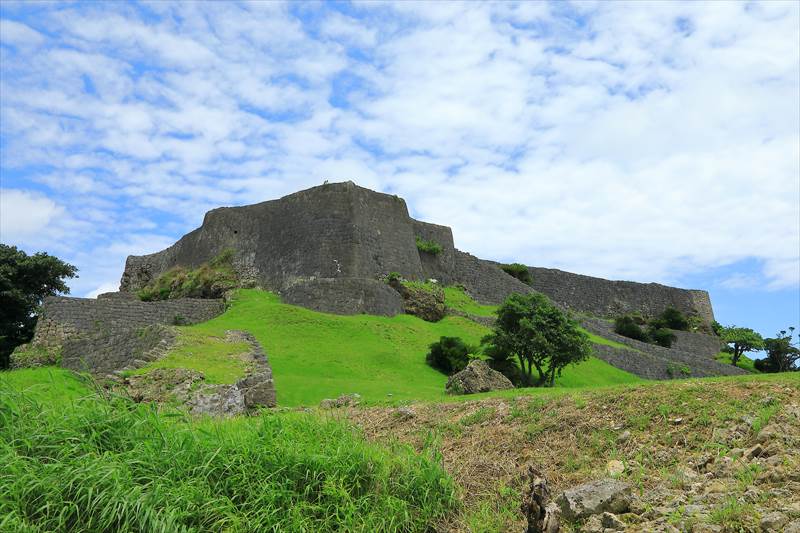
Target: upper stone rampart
<point>343,231</point>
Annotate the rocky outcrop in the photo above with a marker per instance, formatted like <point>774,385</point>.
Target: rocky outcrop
<point>188,387</point>
<point>477,377</point>
<point>423,301</point>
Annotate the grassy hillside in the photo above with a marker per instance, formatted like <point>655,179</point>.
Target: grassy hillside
<point>317,355</point>
<point>45,384</point>
<point>744,362</point>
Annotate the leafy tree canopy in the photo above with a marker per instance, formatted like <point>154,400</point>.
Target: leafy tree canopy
<point>539,335</point>
<point>783,353</point>
<point>25,280</point>
<point>741,340</point>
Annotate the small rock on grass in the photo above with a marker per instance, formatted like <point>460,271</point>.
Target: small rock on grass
<point>604,495</point>
<point>615,468</point>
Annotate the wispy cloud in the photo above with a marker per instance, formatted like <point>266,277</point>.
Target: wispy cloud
<point>640,140</point>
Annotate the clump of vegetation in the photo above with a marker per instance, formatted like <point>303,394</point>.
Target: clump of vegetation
<point>209,280</point>
<point>449,355</point>
<point>657,330</point>
<point>111,465</point>
<point>519,271</point>
<point>628,326</point>
<point>429,246</point>
<point>530,329</point>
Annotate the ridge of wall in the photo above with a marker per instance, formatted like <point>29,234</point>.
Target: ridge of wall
<point>602,297</point>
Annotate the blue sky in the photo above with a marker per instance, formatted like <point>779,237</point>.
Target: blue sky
<point>643,141</point>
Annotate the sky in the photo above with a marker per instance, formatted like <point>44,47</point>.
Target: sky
<point>639,141</point>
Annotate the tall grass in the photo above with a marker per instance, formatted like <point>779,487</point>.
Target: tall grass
<point>112,465</point>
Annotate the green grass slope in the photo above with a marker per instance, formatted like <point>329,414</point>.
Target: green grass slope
<point>44,384</point>
<point>317,355</point>
<point>744,362</point>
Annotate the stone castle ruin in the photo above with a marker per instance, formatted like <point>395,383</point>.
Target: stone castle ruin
<point>330,248</point>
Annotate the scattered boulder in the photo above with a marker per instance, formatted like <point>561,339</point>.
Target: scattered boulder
<point>604,495</point>
<point>624,437</point>
<point>258,390</point>
<point>345,400</point>
<point>477,377</point>
<point>405,413</point>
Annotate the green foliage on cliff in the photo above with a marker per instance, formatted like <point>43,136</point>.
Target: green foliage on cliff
<point>519,271</point>
<point>428,246</point>
<point>98,465</point>
<point>209,280</point>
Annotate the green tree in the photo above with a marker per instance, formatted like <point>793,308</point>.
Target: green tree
<point>25,280</point>
<point>674,319</point>
<point>539,335</point>
<point>782,353</point>
<point>741,340</point>
<point>519,271</point>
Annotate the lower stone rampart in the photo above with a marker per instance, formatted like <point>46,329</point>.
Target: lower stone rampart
<point>697,343</point>
<point>345,296</point>
<point>672,360</point>
<point>65,317</point>
<point>106,352</point>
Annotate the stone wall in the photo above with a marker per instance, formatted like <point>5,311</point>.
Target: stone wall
<point>484,280</point>
<point>697,343</point>
<point>347,296</point>
<point>336,230</point>
<point>106,352</point>
<point>607,298</point>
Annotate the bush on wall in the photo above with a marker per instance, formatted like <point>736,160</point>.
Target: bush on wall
<point>519,271</point>
<point>429,246</point>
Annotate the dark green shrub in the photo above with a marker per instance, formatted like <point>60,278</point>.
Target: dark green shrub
<point>674,319</point>
<point>519,271</point>
<point>449,355</point>
<point>662,337</point>
<point>428,246</point>
<point>209,280</point>
<point>716,327</point>
<point>627,327</point>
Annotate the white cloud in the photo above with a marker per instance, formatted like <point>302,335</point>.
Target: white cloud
<point>25,214</point>
<point>628,140</point>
